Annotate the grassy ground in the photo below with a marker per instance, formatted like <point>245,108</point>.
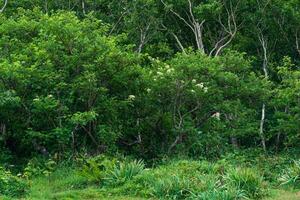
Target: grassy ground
<point>284,195</point>
<point>179,179</point>
<point>62,186</point>
<point>93,193</point>
<point>66,184</point>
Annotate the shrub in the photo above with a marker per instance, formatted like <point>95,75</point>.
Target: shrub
<point>36,167</point>
<point>246,180</point>
<point>11,185</point>
<point>97,168</point>
<point>5,154</point>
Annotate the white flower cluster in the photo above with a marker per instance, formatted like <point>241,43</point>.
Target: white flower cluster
<point>216,115</point>
<point>38,99</point>
<point>200,86</point>
<point>131,97</point>
<point>164,70</point>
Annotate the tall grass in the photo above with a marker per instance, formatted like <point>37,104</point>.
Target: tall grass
<point>62,180</point>
<point>246,180</point>
<point>183,179</point>
<point>291,175</point>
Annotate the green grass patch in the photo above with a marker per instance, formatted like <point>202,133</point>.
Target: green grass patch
<point>108,178</point>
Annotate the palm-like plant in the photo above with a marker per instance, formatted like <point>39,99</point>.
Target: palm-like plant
<point>125,171</point>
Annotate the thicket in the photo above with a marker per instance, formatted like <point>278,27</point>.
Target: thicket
<point>68,86</point>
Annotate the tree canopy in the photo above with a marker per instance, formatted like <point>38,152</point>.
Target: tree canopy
<point>149,77</point>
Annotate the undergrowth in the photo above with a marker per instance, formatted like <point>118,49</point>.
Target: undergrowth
<point>104,177</point>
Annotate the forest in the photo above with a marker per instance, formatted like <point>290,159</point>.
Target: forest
<point>150,99</point>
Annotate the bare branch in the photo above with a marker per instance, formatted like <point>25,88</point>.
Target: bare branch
<point>191,11</point>
<point>217,45</point>
<point>4,6</point>
<point>197,28</point>
<point>143,38</point>
<point>178,42</point>
<point>177,140</point>
<point>198,34</point>
<point>178,116</point>
<point>83,7</point>
<point>265,56</point>
<point>231,29</point>
<point>116,24</point>
<point>181,18</point>
<point>175,36</point>
<point>194,25</point>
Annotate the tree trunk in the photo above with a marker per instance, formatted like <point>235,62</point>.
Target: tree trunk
<point>263,109</point>
<point>46,6</point>
<point>3,132</point>
<point>177,141</point>
<point>279,134</point>
<point>4,6</point>
<point>83,7</point>
<point>261,129</point>
<point>179,43</point>
<point>234,142</point>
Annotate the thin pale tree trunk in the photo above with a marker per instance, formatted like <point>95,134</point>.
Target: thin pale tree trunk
<point>261,129</point>
<point>4,6</point>
<point>263,109</point>
<point>83,7</point>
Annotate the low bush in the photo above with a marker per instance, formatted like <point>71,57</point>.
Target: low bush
<point>36,167</point>
<point>11,185</point>
<point>96,169</point>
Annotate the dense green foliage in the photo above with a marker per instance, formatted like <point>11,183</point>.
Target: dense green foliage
<point>149,79</point>
<point>66,86</point>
